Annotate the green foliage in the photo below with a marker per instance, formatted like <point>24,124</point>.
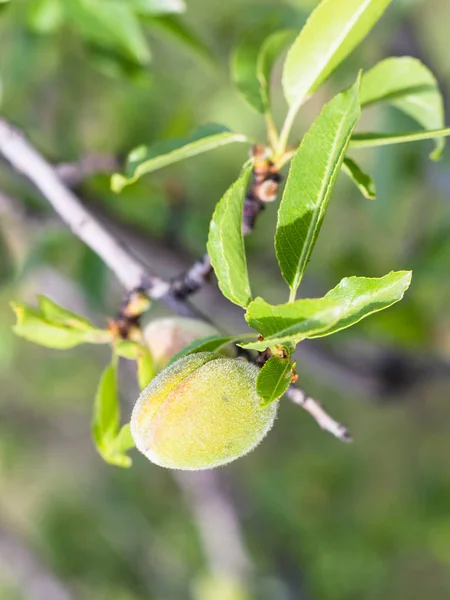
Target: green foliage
<point>146,159</point>
<point>273,379</point>
<point>410,86</point>
<point>111,442</point>
<point>353,299</point>
<point>55,327</point>
<point>363,182</point>
<point>145,367</point>
<point>253,59</point>
<point>311,179</point>
<point>370,140</point>
<point>226,244</point>
<point>332,31</point>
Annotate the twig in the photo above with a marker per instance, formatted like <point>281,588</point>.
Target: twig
<point>73,173</point>
<point>323,419</point>
<point>30,163</point>
<point>263,190</point>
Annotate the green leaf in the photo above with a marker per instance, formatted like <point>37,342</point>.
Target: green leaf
<point>110,24</point>
<point>210,343</point>
<point>110,442</point>
<point>124,440</point>
<point>106,418</point>
<point>411,87</point>
<point>269,53</point>
<point>145,367</point>
<point>57,314</point>
<point>253,59</point>
<point>369,140</point>
<point>32,326</point>
<point>352,300</point>
<point>147,159</point>
<point>312,175</point>
<point>226,243</point>
<point>359,297</point>
<point>273,379</point>
<point>332,31</point>
<point>45,16</point>
<point>289,323</point>
<point>157,7</point>
<point>363,182</point>
<point>55,327</point>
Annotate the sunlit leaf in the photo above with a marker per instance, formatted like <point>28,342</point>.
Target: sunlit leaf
<point>145,367</point>
<point>369,140</point>
<point>146,159</point>
<point>226,244</point>
<point>332,31</point>
<point>411,87</point>
<point>345,305</point>
<point>273,379</point>
<point>253,58</point>
<point>312,175</point>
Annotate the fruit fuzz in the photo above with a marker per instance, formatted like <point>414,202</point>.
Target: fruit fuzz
<point>201,412</point>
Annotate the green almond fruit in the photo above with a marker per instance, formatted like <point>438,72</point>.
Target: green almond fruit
<point>201,412</point>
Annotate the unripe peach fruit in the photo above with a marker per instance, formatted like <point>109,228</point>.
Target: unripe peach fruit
<point>201,412</point>
<point>166,337</point>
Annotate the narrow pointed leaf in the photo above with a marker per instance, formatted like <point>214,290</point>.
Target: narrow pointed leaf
<point>145,367</point>
<point>253,59</point>
<point>110,442</point>
<point>369,140</point>
<point>56,313</point>
<point>105,423</point>
<point>332,31</point>
<point>147,159</point>
<point>312,175</point>
<point>32,326</point>
<point>359,297</point>
<point>226,244</point>
<point>268,55</point>
<point>273,379</point>
<point>345,305</point>
<point>411,87</point>
<point>363,182</point>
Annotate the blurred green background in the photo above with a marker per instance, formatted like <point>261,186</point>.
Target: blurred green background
<point>303,517</point>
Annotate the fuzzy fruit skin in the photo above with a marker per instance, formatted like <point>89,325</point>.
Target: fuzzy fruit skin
<point>201,412</point>
<point>166,337</point>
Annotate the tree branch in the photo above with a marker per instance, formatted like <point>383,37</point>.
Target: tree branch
<point>74,173</point>
<point>322,418</point>
<point>30,163</point>
<point>128,269</point>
